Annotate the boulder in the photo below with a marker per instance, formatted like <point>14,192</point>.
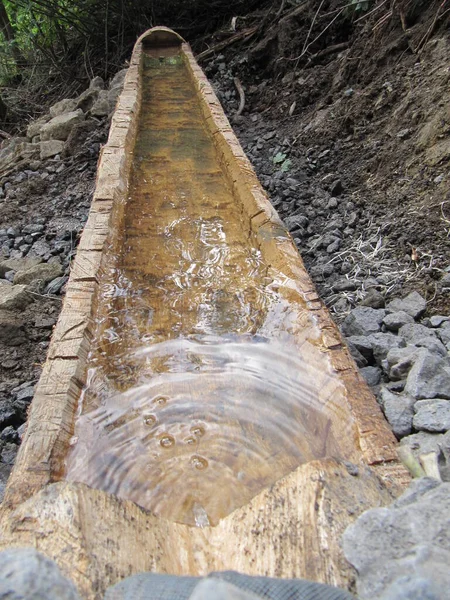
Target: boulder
<point>102,106</point>
<point>399,411</point>
<point>97,84</point>
<point>414,305</point>
<point>363,321</point>
<point>14,297</point>
<point>444,333</point>
<point>401,360</point>
<point>35,127</point>
<point>405,546</point>
<point>62,107</point>
<point>18,264</point>
<point>87,99</point>
<point>382,343</point>
<point>423,443</point>
<point>118,80</point>
<point>429,377</point>
<point>60,127</point>
<point>42,272</point>
<point>25,574</point>
<point>394,321</point>
<point>432,415</point>
<point>51,148</point>
<point>372,375</point>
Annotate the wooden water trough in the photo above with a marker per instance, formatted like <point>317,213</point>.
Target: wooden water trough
<point>291,516</point>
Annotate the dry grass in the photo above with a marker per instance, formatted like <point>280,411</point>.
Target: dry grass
<point>374,257</point>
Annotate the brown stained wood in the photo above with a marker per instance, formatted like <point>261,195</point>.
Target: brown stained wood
<point>291,529</point>
<point>376,439</point>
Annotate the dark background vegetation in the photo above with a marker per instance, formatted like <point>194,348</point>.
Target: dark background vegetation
<point>50,49</point>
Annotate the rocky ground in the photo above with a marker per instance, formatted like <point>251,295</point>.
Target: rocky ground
<point>45,194</point>
<point>353,146</point>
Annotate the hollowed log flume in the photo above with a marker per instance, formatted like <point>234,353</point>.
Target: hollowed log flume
<point>198,410</point>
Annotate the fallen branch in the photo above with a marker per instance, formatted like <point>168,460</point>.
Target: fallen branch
<point>231,40</point>
<point>241,92</point>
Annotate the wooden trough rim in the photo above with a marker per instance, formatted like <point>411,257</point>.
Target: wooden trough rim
<point>40,461</point>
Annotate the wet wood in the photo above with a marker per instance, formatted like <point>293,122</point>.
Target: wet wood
<point>292,528</point>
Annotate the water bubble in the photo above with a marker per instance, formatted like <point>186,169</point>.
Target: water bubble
<point>160,401</point>
<point>198,462</point>
<point>198,431</point>
<point>149,420</point>
<point>190,440</point>
<point>200,515</point>
<point>167,441</point>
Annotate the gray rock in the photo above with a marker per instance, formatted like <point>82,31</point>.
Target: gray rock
<point>51,148</point>
<point>414,332</point>
<point>25,574</point>
<point>412,587</point>
<point>432,415</point>
<point>382,343</point>
<point>434,345</point>
<point>35,127</point>
<point>413,304</point>
<point>394,321</point>
<point>429,377</point>
<point>373,298</point>
<point>43,272</point>
<point>14,297</point>
<point>359,359</point>
<point>372,375</point>
<point>102,106</point>
<point>12,331</point>
<point>54,287</point>
<point>60,127</point>
<point>444,333</point>
<point>399,411</point>
<point>25,394</point>
<point>97,84</point>
<point>363,321</point>
<point>362,344</point>
<point>401,360</point>
<point>295,222</point>
<point>87,99</point>
<point>423,443</point>
<point>437,320</point>
<point>118,79</point>
<point>18,264</point>
<point>7,413</point>
<point>40,248</point>
<point>345,285</point>
<point>9,453</point>
<point>405,542</point>
<point>62,107</point>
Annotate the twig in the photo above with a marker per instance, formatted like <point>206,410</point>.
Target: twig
<point>423,42</point>
<point>231,40</point>
<point>241,92</point>
<point>311,27</point>
<point>5,135</point>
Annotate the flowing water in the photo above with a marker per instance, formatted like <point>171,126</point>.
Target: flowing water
<point>205,383</point>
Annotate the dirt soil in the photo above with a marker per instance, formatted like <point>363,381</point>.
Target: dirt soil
<point>360,119</point>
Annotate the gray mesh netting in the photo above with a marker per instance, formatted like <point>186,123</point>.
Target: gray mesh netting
<point>149,586</point>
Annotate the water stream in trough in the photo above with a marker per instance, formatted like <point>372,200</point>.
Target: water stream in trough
<point>206,384</point>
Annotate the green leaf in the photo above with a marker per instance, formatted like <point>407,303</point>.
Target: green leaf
<point>279,158</point>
